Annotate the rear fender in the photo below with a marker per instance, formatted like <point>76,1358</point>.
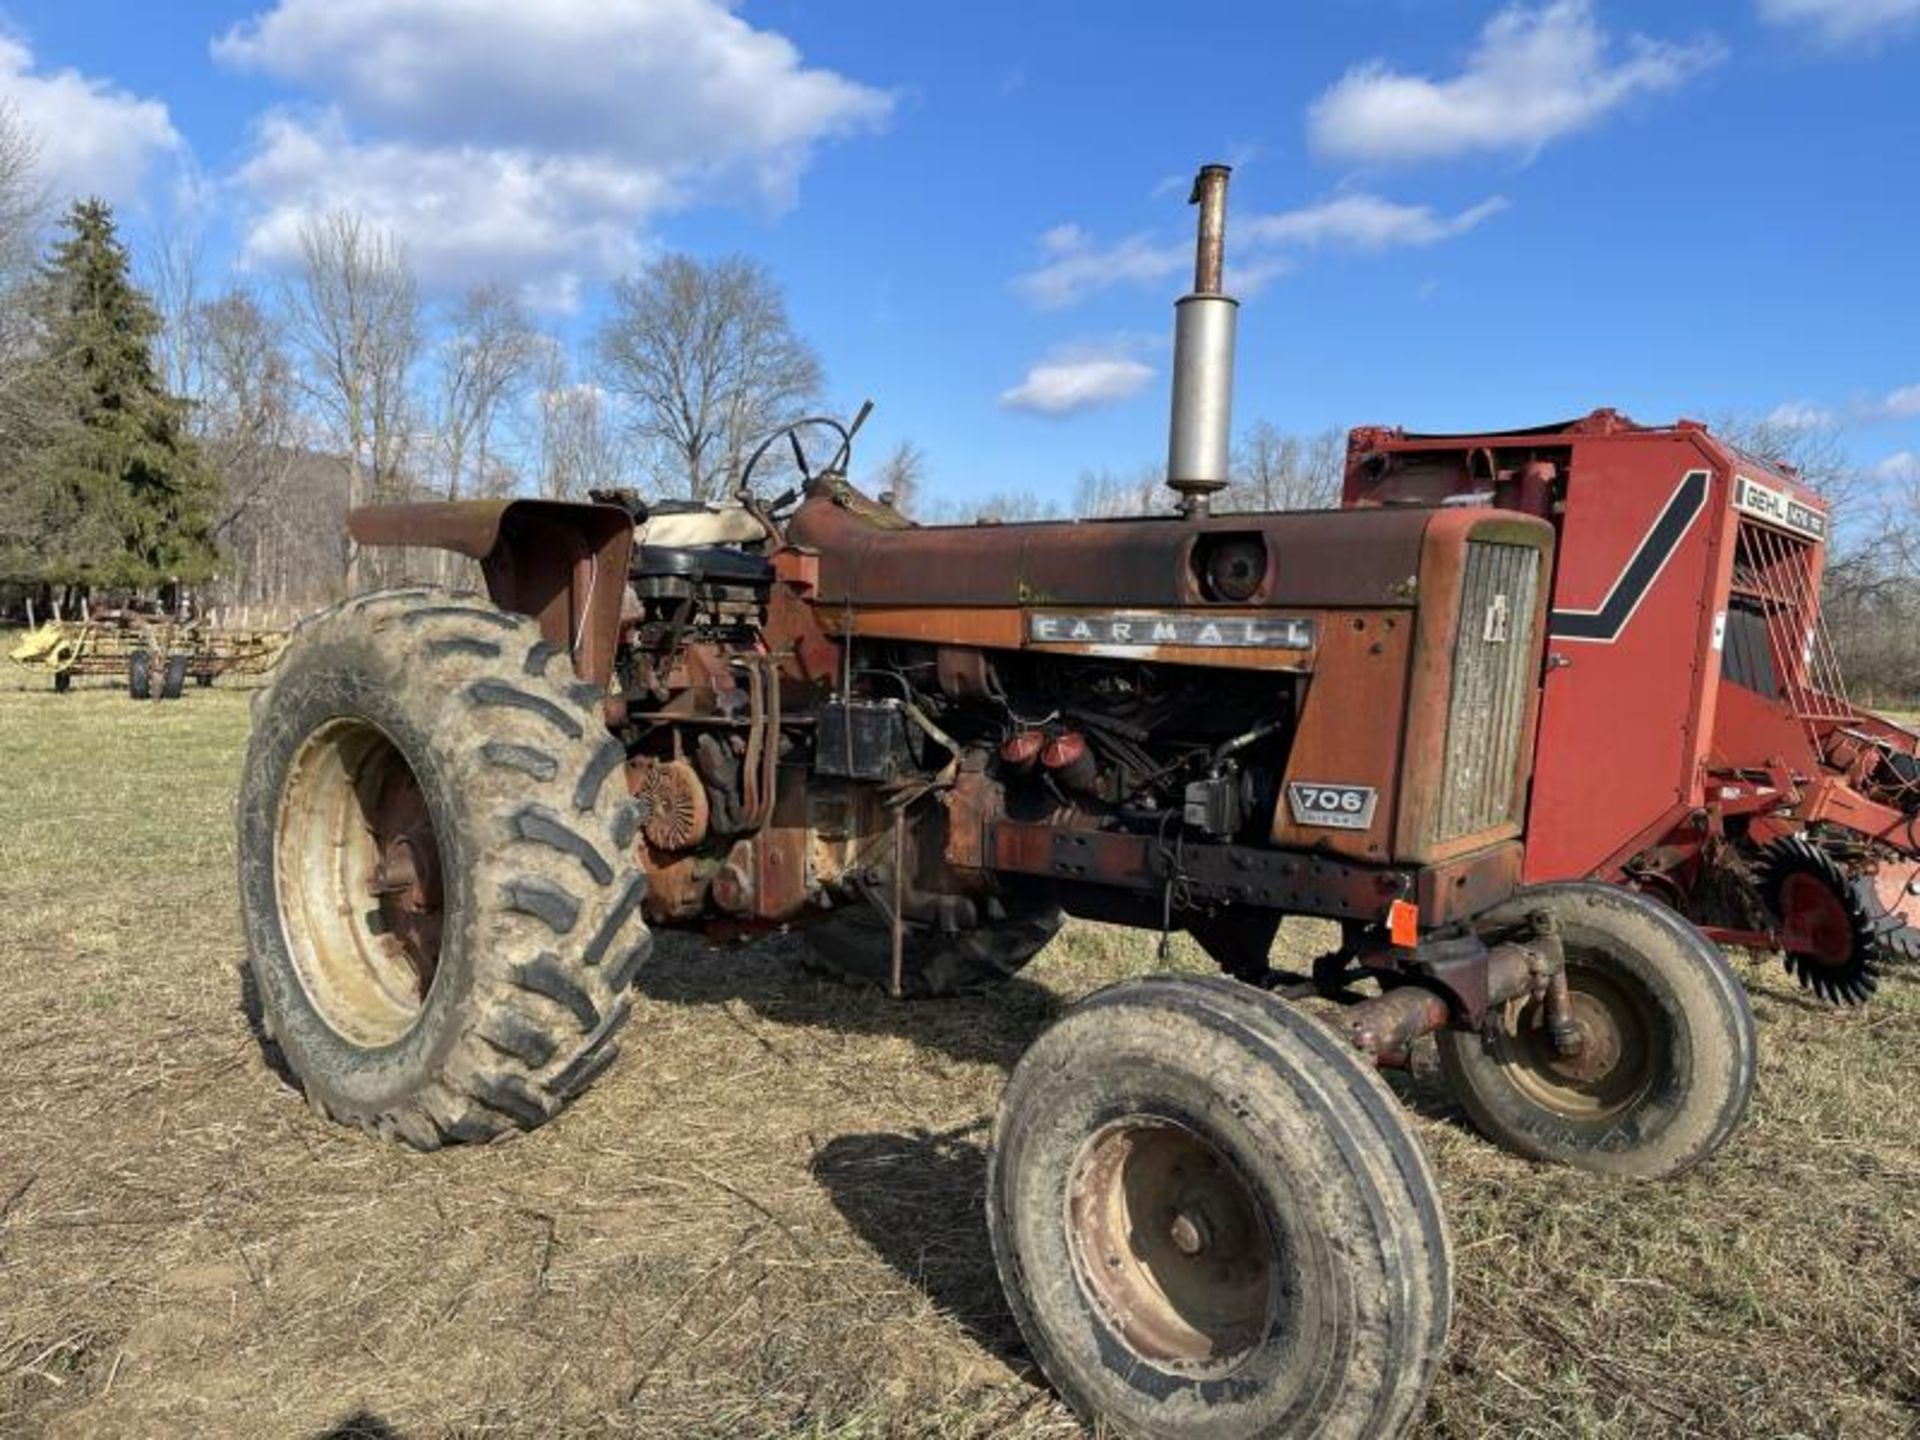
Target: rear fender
<point>564,564</point>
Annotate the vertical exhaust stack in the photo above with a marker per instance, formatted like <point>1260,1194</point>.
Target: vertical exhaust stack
<point>1199,436</point>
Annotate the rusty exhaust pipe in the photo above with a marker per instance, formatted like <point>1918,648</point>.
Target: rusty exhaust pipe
<point>1199,436</point>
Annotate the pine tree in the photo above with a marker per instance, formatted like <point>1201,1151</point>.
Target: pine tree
<point>126,499</point>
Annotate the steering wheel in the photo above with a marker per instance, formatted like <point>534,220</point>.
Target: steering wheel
<point>783,504</point>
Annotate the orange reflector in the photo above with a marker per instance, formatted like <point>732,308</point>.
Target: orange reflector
<point>1403,924</point>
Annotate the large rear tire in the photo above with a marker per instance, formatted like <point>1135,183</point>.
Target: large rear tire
<point>855,945</point>
<point>442,922</point>
<point>1667,1067</point>
<point>1211,1219</point>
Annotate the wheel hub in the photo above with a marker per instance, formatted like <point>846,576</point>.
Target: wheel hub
<point>1170,1244</point>
<point>1191,1232</point>
<point>1599,1044</point>
<point>1610,1069</point>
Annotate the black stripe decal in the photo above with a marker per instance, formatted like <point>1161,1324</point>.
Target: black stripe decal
<point>1649,559</point>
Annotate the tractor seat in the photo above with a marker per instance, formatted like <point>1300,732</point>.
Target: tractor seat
<point>701,564</point>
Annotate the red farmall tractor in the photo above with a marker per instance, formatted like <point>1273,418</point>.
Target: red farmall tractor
<point>1696,739</point>
<point>461,816</point>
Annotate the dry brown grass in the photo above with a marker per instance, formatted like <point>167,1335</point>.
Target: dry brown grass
<point>766,1219</point>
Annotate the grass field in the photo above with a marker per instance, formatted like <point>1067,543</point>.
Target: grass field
<point>766,1219</point>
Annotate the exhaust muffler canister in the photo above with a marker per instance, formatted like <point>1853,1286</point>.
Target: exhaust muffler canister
<point>1199,437</point>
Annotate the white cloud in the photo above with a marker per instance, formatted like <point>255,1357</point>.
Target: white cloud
<point>1535,75</point>
<point>93,138</point>
<point>1072,266</point>
<point>1843,22</point>
<point>1365,222</point>
<point>466,214</point>
<point>1901,404</point>
<point>1801,415</point>
<point>532,142</point>
<point>1079,379</point>
<point>1901,465</point>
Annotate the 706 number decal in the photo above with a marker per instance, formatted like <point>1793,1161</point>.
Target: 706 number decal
<point>1332,807</point>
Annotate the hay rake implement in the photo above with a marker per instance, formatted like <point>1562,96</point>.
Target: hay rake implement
<point>157,656</point>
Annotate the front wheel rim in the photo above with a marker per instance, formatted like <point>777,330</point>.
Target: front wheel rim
<point>359,882</point>
<point>1171,1245</point>
<point>1617,1064</point>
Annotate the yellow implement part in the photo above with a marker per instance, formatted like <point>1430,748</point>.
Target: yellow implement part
<point>38,643</point>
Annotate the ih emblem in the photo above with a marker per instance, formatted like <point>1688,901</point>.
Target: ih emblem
<point>1494,632</point>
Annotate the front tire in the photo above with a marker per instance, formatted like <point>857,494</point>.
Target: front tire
<point>1211,1219</point>
<point>442,922</point>
<point>1667,1068</point>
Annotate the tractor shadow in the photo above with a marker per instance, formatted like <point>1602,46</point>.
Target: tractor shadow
<point>361,1425</point>
<point>992,1027</point>
<point>914,1199</point>
<point>1422,1087</point>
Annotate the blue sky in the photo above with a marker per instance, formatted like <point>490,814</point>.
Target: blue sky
<point>1449,215</point>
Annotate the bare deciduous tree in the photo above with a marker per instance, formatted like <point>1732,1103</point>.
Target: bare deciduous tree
<point>1104,494</point>
<point>1273,470</point>
<point>23,198</point>
<point>353,315</point>
<point>489,352</point>
<point>578,450</point>
<point>245,415</point>
<point>898,478</point>
<point>22,210</point>
<point>174,263</point>
<point>706,361</point>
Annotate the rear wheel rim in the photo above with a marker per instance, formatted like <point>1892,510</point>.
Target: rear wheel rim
<point>1618,1062</point>
<point>1171,1246</point>
<point>358,870</point>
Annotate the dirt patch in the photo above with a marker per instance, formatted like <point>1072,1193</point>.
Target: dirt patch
<point>766,1219</point>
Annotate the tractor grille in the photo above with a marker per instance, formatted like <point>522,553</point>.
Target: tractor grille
<point>1493,665</point>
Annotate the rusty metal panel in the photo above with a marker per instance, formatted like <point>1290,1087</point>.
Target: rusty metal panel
<point>1350,734</point>
<point>1493,672</point>
<point>1051,633</point>
<point>1315,560</point>
<point>1470,884</point>
<point>1296,881</point>
<point>563,563</point>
